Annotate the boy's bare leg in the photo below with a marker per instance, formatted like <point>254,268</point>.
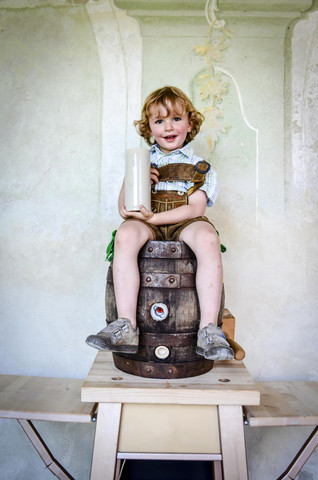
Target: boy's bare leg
<point>204,241</point>
<point>129,239</point>
<point>122,335</point>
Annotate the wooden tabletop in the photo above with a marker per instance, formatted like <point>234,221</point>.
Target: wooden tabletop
<point>43,398</point>
<point>285,403</point>
<point>228,383</point>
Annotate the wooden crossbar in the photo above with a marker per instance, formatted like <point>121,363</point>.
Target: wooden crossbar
<point>37,441</point>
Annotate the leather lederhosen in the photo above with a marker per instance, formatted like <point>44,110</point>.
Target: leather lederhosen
<point>164,200</point>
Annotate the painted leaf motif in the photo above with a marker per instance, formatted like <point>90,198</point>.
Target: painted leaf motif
<point>201,49</point>
<point>210,142</point>
<point>213,86</point>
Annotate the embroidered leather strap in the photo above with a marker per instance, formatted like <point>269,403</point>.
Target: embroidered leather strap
<point>185,172</point>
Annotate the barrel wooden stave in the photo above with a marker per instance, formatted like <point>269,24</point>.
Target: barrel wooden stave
<point>183,309</point>
<point>185,265</point>
<point>180,346</point>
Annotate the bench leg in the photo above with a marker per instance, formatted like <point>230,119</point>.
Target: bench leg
<point>105,443</point>
<point>217,470</point>
<point>37,441</point>
<point>301,458</point>
<point>232,442</point>
<point>119,465</point>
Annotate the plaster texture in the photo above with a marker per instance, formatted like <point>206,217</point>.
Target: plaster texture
<point>74,75</point>
<point>50,189</point>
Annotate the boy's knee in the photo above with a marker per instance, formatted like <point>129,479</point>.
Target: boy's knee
<point>212,237</point>
<point>125,233</point>
<point>207,238</point>
<point>131,233</point>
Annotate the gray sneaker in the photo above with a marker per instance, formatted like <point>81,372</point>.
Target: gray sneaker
<point>212,345</point>
<point>117,336</point>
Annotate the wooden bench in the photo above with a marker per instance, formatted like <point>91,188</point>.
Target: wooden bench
<point>283,404</point>
<point>27,398</point>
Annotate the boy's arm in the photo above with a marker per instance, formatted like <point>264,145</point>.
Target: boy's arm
<point>121,201</point>
<point>195,208</point>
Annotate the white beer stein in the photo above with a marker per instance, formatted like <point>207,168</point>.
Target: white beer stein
<point>137,179</point>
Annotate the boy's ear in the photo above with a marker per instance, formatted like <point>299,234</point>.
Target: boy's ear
<point>190,122</point>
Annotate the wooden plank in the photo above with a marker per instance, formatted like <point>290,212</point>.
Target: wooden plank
<point>233,442</point>
<point>43,398</point>
<point>229,383</point>
<point>105,444</point>
<point>164,429</point>
<point>285,403</point>
<point>204,457</point>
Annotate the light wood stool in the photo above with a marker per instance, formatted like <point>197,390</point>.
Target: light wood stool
<point>123,399</point>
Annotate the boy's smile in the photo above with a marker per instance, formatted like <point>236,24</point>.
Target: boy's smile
<point>169,126</point>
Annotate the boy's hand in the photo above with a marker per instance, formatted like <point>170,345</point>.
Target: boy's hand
<point>154,176</point>
<point>144,214</point>
<point>124,213</point>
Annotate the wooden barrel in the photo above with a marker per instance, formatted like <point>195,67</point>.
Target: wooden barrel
<point>168,314</point>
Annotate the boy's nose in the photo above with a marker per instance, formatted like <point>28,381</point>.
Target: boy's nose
<point>168,124</point>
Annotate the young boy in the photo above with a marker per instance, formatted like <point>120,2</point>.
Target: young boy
<point>182,186</point>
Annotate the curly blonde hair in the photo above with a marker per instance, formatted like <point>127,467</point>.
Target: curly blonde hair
<point>167,96</point>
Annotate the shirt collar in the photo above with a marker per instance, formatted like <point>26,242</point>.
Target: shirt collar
<point>186,150</point>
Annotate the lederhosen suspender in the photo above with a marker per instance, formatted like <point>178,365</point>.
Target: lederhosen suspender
<point>167,200</point>
<point>185,172</point>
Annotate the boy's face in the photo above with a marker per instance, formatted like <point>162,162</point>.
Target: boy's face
<point>169,129</point>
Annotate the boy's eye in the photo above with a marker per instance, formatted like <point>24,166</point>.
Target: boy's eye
<point>158,122</point>
<point>177,119</point>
